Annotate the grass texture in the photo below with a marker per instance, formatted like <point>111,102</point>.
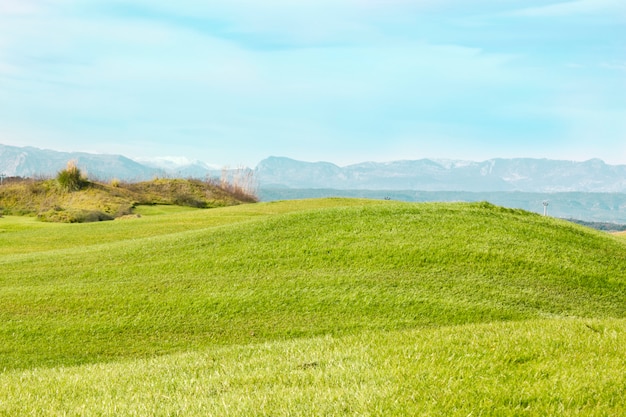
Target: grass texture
<point>531,368</point>
<point>314,307</point>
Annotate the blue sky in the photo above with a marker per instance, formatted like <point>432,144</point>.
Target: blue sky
<point>232,82</point>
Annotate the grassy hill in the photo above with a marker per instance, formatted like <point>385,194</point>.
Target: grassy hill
<point>313,307</point>
<point>96,201</point>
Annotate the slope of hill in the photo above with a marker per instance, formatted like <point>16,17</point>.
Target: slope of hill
<point>97,201</point>
<point>314,307</point>
<point>590,207</point>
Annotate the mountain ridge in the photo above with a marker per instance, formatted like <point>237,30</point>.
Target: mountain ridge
<point>498,174</point>
<point>35,162</point>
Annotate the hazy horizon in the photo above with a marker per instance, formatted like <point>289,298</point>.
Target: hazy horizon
<point>172,161</point>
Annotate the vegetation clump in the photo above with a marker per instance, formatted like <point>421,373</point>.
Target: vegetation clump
<point>71,198</point>
<point>71,178</point>
<point>60,215</point>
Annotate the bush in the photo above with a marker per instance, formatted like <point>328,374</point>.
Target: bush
<point>71,178</point>
<point>59,215</point>
<point>184,199</point>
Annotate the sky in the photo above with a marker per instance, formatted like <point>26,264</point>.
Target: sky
<point>231,82</point>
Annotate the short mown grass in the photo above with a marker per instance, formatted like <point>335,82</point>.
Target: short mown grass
<point>316,307</point>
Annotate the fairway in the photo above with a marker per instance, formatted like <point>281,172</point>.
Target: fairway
<point>313,307</point>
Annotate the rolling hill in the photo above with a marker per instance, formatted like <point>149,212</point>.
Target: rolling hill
<point>96,201</point>
<point>313,307</point>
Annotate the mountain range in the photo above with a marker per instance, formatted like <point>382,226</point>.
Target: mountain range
<point>515,174</point>
<point>29,162</point>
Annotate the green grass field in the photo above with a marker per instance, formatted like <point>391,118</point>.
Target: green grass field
<point>313,307</point>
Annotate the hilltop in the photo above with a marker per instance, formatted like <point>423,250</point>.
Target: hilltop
<point>314,307</point>
<point>96,201</point>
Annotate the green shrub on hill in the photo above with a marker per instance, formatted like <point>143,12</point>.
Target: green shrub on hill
<point>60,215</point>
<point>70,198</point>
<point>71,178</point>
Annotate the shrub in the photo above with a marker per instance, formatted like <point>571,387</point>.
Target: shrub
<point>71,178</point>
<point>184,199</point>
<point>60,215</point>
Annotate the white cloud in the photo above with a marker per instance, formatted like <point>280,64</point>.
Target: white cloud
<point>19,7</point>
<point>288,23</point>
<point>618,66</point>
<point>614,8</point>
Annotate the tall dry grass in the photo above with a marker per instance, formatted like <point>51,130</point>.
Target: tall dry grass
<point>240,182</point>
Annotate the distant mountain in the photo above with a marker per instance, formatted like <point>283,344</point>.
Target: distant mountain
<point>181,167</point>
<point>34,162</point>
<point>517,174</point>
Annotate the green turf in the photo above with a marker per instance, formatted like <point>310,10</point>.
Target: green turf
<point>149,297</point>
<point>549,367</point>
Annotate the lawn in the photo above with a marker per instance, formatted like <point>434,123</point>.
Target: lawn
<point>313,307</point>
